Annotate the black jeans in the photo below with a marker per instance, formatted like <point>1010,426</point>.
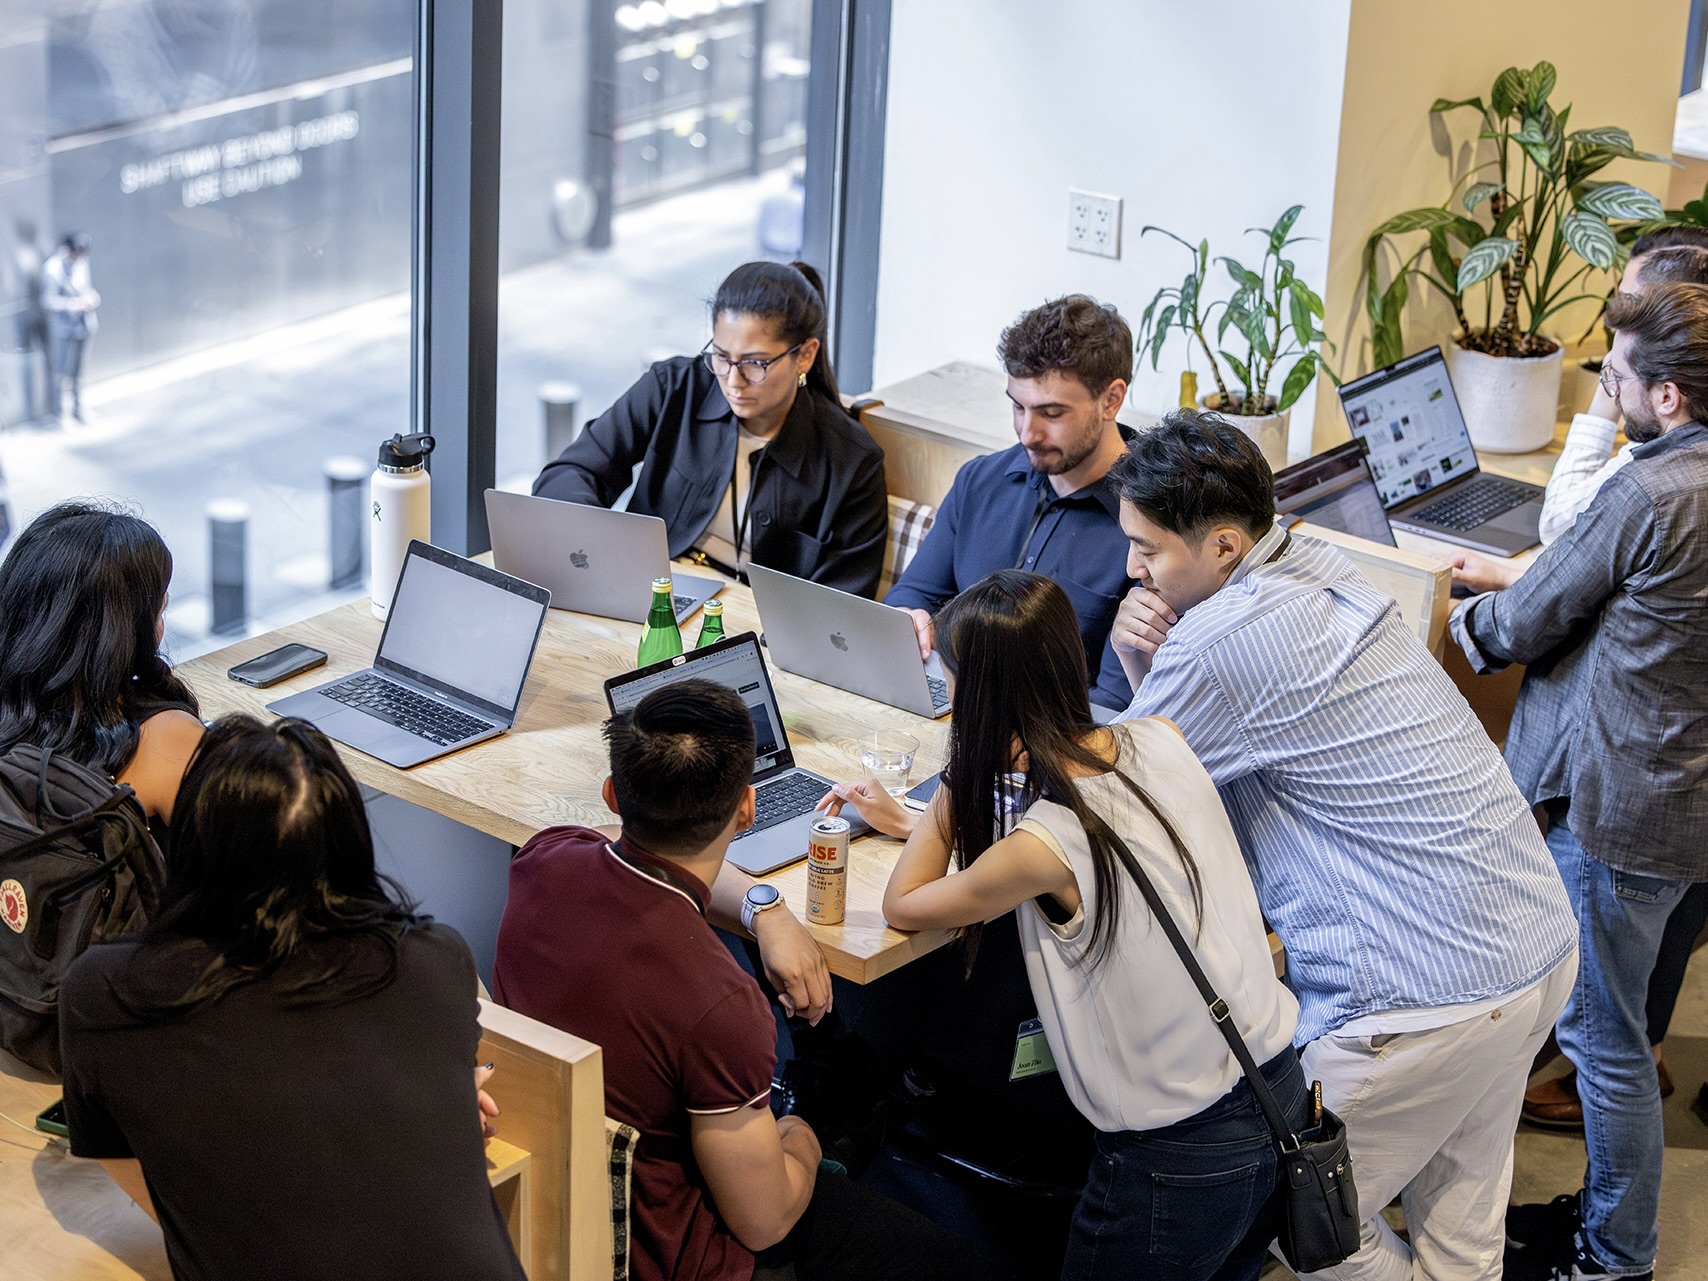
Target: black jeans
<point>851,1234</point>
<point>1677,943</point>
<point>1198,1200</point>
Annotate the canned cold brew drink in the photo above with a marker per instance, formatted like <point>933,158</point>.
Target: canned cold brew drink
<point>827,871</point>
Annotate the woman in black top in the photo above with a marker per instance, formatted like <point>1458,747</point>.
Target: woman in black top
<point>82,615</point>
<point>747,452</point>
<point>287,1050</point>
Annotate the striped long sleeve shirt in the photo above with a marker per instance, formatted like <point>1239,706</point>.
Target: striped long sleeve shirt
<point>1392,853</point>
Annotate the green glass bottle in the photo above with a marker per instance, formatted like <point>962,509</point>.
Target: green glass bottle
<point>711,624</point>
<point>660,637</point>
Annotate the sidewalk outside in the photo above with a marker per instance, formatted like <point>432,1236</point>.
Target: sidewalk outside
<point>256,419</point>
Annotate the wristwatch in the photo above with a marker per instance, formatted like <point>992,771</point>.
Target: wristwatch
<point>761,898</point>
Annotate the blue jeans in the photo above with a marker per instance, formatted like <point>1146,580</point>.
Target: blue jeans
<point>1604,1032</point>
<point>1194,1201</point>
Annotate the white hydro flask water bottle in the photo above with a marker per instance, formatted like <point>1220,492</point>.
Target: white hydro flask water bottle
<point>401,493</point>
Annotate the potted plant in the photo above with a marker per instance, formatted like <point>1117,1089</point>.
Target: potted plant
<point>1275,317</point>
<point>1533,225</point>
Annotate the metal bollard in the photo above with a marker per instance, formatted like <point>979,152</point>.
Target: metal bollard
<point>561,404</point>
<point>346,517</point>
<point>228,540</point>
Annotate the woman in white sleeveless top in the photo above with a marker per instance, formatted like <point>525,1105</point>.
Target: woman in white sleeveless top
<point>1185,1182</point>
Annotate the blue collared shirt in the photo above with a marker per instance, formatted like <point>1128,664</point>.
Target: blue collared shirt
<point>1391,850</point>
<point>1076,540</point>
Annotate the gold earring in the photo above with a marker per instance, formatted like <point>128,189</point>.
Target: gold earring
<point>803,380</point>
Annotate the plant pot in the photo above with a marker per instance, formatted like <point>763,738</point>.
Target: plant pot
<point>1509,402</point>
<point>1268,430</point>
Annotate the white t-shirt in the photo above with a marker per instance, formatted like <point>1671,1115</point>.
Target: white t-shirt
<point>718,541</point>
<point>1136,1047</point>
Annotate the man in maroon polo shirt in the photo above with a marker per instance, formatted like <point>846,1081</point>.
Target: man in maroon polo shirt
<point>605,936</point>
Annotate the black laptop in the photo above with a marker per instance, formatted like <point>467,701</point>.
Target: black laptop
<point>1421,458</point>
<point>786,793</point>
<point>1334,489</point>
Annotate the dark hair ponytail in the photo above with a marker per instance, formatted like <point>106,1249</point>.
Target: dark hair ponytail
<point>792,298</point>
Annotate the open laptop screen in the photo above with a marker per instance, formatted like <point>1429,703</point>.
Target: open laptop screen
<point>1409,419</point>
<point>735,662</point>
<point>462,629</point>
<point>1334,490</point>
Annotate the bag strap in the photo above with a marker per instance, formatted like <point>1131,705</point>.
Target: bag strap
<point>1284,1133</point>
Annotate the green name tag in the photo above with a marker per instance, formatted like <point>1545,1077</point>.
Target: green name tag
<point>1032,1055</point>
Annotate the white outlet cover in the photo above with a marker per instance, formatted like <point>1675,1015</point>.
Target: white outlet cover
<point>1094,224</point>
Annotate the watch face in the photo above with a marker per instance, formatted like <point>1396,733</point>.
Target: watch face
<point>763,895</point>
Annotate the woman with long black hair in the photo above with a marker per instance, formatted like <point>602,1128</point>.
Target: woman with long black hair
<point>1185,1181</point>
<point>746,451</point>
<point>288,1049</point>
<point>82,616</point>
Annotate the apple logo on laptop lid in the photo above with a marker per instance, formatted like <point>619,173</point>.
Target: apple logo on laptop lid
<point>837,640</point>
<point>578,559</point>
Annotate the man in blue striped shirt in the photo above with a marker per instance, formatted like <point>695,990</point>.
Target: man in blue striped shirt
<point>1429,938</point>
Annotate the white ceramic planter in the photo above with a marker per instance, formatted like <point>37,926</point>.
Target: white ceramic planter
<point>1268,430</point>
<point>1509,402</point>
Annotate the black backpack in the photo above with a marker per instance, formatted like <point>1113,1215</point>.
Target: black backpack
<point>77,866</point>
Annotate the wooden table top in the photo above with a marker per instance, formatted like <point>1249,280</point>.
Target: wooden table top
<point>548,770</point>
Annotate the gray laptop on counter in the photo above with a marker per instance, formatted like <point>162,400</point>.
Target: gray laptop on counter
<point>1421,457</point>
<point>451,664</point>
<point>592,559</point>
<point>786,793</point>
<point>847,641</point>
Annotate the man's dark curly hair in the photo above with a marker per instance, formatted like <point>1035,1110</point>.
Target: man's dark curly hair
<point>1075,335</point>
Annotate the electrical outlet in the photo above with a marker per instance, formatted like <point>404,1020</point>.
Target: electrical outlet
<point>1094,224</point>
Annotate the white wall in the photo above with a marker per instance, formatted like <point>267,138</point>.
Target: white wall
<point>998,107</point>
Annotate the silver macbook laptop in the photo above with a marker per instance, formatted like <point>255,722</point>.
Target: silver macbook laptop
<point>1334,490</point>
<point>592,559</point>
<point>847,641</point>
<point>1423,463</point>
<point>450,667</point>
<point>786,793</point>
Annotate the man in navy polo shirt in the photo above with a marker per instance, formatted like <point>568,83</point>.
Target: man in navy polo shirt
<point>605,935</point>
<point>1045,504</point>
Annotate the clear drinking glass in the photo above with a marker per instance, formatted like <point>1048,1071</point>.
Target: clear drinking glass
<point>887,755</point>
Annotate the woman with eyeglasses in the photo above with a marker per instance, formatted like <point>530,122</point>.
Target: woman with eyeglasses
<point>745,449</point>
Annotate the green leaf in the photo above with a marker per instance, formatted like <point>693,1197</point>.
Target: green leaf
<point>1283,224</point>
<point>1591,238</point>
<point>1446,104</point>
<point>1240,371</point>
<point>1696,212</point>
<point>1441,258</point>
<point>1541,84</point>
<point>1161,334</point>
<point>1189,296</point>
<point>1508,216</point>
<point>1602,136</point>
<point>1299,310</point>
<point>1620,200</point>
<point>1387,343</point>
<point>1509,91</point>
<point>1298,378</point>
<point>1417,220</point>
<point>1534,140</point>
<point>1243,276</point>
<point>1483,260</point>
<point>1479,192</point>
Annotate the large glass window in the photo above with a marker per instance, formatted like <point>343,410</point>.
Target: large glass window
<point>241,171</point>
<point>648,150</point>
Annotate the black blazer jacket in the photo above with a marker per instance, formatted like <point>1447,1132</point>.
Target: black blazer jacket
<point>818,508</point>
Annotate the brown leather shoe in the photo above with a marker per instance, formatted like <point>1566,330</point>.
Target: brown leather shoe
<point>1554,1104</point>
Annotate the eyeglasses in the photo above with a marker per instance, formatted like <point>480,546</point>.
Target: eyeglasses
<point>1607,373</point>
<point>752,371</point>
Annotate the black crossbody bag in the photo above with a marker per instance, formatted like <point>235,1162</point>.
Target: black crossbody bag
<point>1319,1222</point>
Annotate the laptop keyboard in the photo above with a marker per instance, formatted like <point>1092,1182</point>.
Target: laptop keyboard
<point>406,709</point>
<point>788,797</point>
<point>1474,504</point>
<point>939,691</point>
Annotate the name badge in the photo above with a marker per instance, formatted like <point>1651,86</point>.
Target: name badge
<point>1032,1055</point>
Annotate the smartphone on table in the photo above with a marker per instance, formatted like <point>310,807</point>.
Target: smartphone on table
<point>278,665</point>
<point>52,1120</point>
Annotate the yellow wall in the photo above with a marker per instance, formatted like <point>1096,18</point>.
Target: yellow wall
<point>1619,64</point>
